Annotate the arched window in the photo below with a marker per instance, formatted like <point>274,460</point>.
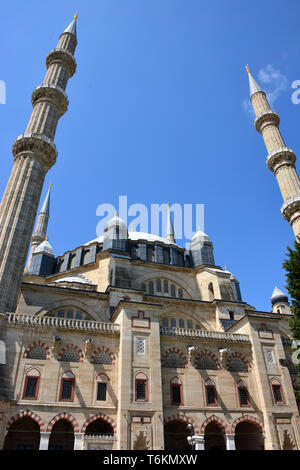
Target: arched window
<point>31,385</point>
<point>166,287</point>
<point>103,358</point>
<point>173,322</point>
<point>37,353</point>
<point>173,290</point>
<point>102,381</point>
<point>176,392</point>
<point>67,387</point>
<point>141,387</point>
<point>237,365</point>
<point>211,293</point>
<point>180,293</point>
<point>211,393</point>
<point>158,286</point>
<point>174,361</point>
<point>243,394</point>
<point>144,287</point>
<point>165,322</point>
<point>151,288</point>
<point>72,313</point>
<point>205,362</point>
<point>150,253</point>
<point>277,392</point>
<point>190,324</point>
<point>70,356</point>
<point>181,323</point>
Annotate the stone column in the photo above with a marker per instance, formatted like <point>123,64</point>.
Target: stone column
<point>44,441</point>
<point>230,441</point>
<point>78,440</point>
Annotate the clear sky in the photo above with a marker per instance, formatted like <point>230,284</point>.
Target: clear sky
<point>159,112</point>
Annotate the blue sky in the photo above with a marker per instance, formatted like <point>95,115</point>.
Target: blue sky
<point>158,112</point>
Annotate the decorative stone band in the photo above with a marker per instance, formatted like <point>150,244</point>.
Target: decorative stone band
<point>266,118</point>
<point>63,56</point>
<point>53,93</point>
<point>38,145</point>
<point>62,323</point>
<point>205,334</point>
<point>290,207</point>
<point>100,438</point>
<point>280,157</point>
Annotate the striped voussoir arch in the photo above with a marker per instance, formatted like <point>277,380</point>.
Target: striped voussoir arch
<point>250,419</point>
<point>36,344</point>
<point>205,352</point>
<point>176,351</point>
<point>101,416</point>
<point>69,347</point>
<point>65,416</point>
<point>182,419</point>
<point>28,413</point>
<point>240,356</point>
<point>216,420</point>
<point>106,350</point>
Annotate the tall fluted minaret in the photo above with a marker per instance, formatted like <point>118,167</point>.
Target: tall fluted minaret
<point>170,230</point>
<point>280,160</point>
<point>34,154</point>
<point>41,227</point>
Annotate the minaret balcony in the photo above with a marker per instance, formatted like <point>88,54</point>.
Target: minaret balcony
<point>280,157</point>
<point>37,145</point>
<point>265,119</point>
<point>53,93</point>
<point>63,56</point>
<point>290,208</point>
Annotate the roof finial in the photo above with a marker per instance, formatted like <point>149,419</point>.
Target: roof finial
<point>225,267</point>
<point>116,214</point>
<point>248,70</point>
<point>75,16</point>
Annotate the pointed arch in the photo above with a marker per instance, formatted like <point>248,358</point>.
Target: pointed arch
<point>174,351</point>
<point>216,420</point>
<point>65,416</point>
<point>104,351</point>
<point>101,416</point>
<point>237,355</point>
<point>182,419</point>
<point>250,419</point>
<point>70,347</point>
<point>36,345</point>
<point>28,413</point>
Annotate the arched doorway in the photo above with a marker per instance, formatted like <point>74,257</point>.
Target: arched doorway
<point>214,437</point>
<point>23,434</point>
<point>175,435</point>
<point>62,436</point>
<point>99,427</point>
<point>248,436</point>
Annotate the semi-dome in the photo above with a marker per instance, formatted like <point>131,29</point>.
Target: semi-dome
<point>278,296</point>
<point>44,247</point>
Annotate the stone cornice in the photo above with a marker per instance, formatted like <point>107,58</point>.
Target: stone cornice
<point>205,334</point>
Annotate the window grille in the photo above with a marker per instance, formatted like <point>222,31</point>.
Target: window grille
<point>101,391</point>
<point>103,358</point>
<point>174,361</point>
<point>37,353</point>
<point>30,390</point>
<point>140,345</point>
<point>237,365</point>
<point>243,396</point>
<point>206,363</point>
<point>70,356</point>
<point>141,390</point>
<point>270,356</point>
<point>176,394</point>
<point>211,394</point>
<point>277,393</point>
<point>67,386</point>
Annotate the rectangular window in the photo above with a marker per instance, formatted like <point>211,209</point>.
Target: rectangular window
<point>101,391</point>
<point>243,394</point>
<point>211,395</point>
<point>270,356</point>
<point>30,387</point>
<point>67,389</point>
<point>176,394</point>
<point>277,393</point>
<point>140,345</point>
<point>141,390</point>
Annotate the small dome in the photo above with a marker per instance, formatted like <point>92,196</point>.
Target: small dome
<point>116,221</point>
<point>201,236</point>
<point>278,296</point>
<point>44,247</point>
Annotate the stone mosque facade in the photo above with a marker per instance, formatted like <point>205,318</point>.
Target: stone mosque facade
<point>130,341</point>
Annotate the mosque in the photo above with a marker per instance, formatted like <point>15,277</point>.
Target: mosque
<point>130,341</point>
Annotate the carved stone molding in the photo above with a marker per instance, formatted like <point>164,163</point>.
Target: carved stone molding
<point>281,156</point>
<point>63,56</point>
<point>265,119</point>
<point>35,145</point>
<point>53,93</point>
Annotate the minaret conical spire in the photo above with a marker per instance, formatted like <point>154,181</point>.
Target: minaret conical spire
<point>34,154</point>
<point>72,26</point>
<point>170,229</point>
<point>280,160</point>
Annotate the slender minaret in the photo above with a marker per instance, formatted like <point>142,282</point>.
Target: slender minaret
<point>41,228</point>
<point>280,160</point>
<point>170,230</point>
<point>34,154</point>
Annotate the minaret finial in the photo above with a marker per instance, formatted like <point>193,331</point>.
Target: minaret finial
<point>248,70</point>
<point>75,16</point>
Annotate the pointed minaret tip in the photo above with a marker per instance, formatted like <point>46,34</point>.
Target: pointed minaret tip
<point>72,26</point>
<point>248,70</point>
<point>76,16</point>
<point>253,85</point>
